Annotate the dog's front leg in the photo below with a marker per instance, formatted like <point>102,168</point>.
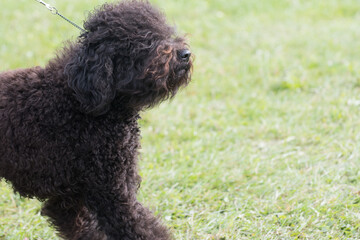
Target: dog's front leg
<point>121,217</point>
<point>72,219</point>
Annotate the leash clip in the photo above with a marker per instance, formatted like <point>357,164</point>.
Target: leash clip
<point>52,9</point>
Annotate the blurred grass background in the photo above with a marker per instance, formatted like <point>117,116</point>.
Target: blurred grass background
<point>263,144</point>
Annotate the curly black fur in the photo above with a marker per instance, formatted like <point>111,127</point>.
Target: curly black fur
<point>69,133</point>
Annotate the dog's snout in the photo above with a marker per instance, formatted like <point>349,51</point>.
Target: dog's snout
<point>184,54</point>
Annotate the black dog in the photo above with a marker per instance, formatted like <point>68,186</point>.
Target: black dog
<point>69,134</point>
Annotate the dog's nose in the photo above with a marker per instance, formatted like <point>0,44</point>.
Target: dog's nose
<point>184,54</point>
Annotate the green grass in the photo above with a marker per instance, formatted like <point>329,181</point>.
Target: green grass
<point>263,144</point>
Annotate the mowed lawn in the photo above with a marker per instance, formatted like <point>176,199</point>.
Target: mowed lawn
<point>265,141</point>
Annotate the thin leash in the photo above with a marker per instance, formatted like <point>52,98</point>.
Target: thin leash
<point>54,11</point>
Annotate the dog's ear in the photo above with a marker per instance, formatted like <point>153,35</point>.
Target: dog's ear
<point>90,75</point>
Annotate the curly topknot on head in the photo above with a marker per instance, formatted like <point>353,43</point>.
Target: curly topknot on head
<point>129,53</point>
<point>130,18</point>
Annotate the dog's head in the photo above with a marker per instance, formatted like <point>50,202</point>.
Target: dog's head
<point>129,53</point>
